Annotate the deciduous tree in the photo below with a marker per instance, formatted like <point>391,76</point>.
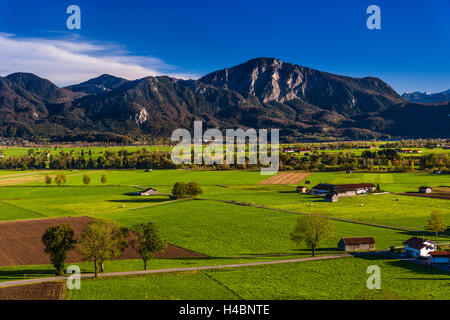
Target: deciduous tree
<point>179,190</point>
<point>86,179</point>
<point>57,241</point>
<point>193,189</point>
<point>60,179</point>
<point>146,241</point>
<point>103,240</point>
<point>436,223</point>
<point>312,230</point>
<point>48,180</point>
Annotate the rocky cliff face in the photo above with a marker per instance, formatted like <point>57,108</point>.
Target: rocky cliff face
<point>271,79</point>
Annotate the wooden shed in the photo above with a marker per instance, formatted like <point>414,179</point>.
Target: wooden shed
<point>331,197</point>
<point>356,243</point>
<point>148,192</point>
<point>302,189</point>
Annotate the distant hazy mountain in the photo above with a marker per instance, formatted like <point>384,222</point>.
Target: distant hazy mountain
<point>426,97</point>
<point>104,83</point>
<point>261,93</point>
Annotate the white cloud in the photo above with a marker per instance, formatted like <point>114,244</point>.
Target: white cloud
<point>72,61</point>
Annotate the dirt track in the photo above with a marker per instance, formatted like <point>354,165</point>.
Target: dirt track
<point>20,242</point>
<point>38,291</point>
<point>286,178</point>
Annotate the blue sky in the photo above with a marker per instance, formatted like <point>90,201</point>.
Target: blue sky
<point>190,38</point>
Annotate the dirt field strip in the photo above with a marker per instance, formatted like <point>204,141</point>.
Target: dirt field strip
<point>134,273</point>
<point>20,242</point>
<point>39,291</point>
<point>21,180</point>
<point>34,177</point>
<point>433,195</point>
<point>286,178</point>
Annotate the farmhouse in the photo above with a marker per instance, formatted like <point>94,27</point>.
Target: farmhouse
<point>418,247</point>
<point>148,192</point>
<point>440,257</point>
<point>343,190</point>
<point>357,243</point>
<point>425,189</point>
<point>331,197</point>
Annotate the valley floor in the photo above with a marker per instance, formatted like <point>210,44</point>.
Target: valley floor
<point>228,233</point>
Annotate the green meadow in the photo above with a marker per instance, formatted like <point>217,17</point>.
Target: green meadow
<point>219,229</point>
<point>229,233</point>
<point>345,279</point>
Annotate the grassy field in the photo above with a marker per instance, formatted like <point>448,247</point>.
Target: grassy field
<point>229,233</point>
<point>220,229</point>
<point>345,279</point>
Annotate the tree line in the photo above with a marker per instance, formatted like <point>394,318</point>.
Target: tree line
<point>380,160</point>
<point>101,241</point>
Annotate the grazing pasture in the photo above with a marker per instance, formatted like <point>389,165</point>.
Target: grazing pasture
<point>344,278</point>
<point>219,229</point>
<point>228,232</point>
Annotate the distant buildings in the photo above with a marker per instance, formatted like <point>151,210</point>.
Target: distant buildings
<point>357,243</point>
<point>419,247</point>
<point>408,151</point>
<point>293,150</point>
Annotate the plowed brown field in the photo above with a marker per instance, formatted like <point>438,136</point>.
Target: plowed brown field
<point>286,178</point>
<point>20,242</point>
<point>38,291</point>
<point>435,195</point>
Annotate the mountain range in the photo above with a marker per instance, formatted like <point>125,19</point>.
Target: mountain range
<point>426,97</point>
<point>262,93</point>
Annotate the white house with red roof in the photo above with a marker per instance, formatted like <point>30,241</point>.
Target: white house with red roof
<point>419,247</point>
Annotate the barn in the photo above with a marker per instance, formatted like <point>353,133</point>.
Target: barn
<point>344,190</point>
<point>356,243</point>
<point>148,192</point>
<point>425,189</point>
